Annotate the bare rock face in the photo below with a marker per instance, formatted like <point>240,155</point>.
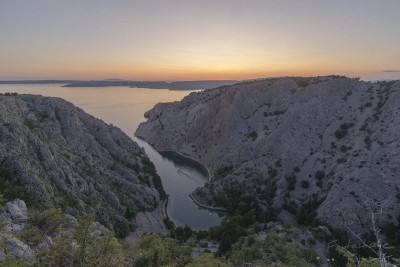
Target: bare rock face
<point>53,154</point>
<point>17,209</point>
<point>2,256</point>
<point>20,250</point>
<point>70,221</point>
<point>297,149</point>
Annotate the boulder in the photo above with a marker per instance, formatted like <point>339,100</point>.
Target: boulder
<point>2,256</point>
<point>20,250</point>
<point>325,230</point>
<point>70,221</point>
<point>13,227</point>
<point>17,209</point>
<point>48,241</point>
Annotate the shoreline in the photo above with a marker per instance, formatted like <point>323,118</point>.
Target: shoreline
<point>189,157</point>
<point>210,176</point>
<point>198,203</point>
<point>150,222</point>
<point>192,197</point>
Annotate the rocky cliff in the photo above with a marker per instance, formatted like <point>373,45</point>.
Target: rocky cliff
<point>299,149</point>
<point>53,154</point>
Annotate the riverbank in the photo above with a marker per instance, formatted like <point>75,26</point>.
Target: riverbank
<point>210,176</point>
<point>181,175</point>
<point>192,197</point>
<point>150,222</point>
<point>198,203</point>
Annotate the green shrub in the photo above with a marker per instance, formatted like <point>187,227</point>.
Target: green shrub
<point>121,229</point>
<point>3,200</point>
<point>153,250</point>
<point>61,253</point>
<point>148,167</point>
<point>49,221</point>
<point>208,259</point>
<point>346,126</point>
<point>223,171</point>
<point>30,124</point>
<point>291,182</point>
<point>319,175</point>
<point>11,262</point>
<point>253,135</point>
<point>272,172</point>
<point>305,184</point>
<point>340,133</point>
<point>31,235</point>
<point>303,82</point>
<point>11,188</point>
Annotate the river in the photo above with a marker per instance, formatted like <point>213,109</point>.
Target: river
<point>124,107</point>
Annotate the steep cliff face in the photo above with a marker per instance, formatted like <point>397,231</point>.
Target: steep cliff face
<point>53,154</point>
<point>291,145</point>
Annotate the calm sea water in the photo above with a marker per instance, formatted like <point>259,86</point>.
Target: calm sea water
<point>124,107</point>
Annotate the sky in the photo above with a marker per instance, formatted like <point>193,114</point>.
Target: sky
<point>194,40</point>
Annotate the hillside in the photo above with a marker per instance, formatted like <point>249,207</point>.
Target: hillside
<point>299,150</point>
<point>53,154</point>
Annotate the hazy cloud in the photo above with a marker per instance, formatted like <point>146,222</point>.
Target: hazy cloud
<point>391,71</point>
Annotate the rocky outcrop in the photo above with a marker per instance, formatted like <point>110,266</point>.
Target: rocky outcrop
<point>53,154</point>
<point>38,232</point>
<point>2,256</point>
<point>20,250</point>
<point>294,147</point>
<point>17,210</point>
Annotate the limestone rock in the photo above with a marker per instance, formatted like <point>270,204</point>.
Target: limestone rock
<point>2,256</point>
<point>70,221</point>
<point>20,250</point>
<point>13,227</point>
<point>64,157</point>
<point>17,209</point>
<point>48,241</point>
<point>327,144</point>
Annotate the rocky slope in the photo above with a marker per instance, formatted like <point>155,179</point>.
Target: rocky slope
<point>298,148</point>
<point>53,154</point>
<point>29,237</point>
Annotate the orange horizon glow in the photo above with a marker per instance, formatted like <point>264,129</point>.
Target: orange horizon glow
<point>212,40</point>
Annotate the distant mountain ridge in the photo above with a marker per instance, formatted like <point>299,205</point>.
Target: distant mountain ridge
<point>38,81</point>
<point>175,85</point>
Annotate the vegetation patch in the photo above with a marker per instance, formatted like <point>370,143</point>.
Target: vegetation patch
<point>253,135</point>
<point>149,167</point>
<point>303,82</point>
<point>223,171</point>
<point>30,124</point>
<point>291,182</point>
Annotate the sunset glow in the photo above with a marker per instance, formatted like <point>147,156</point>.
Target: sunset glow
<point>185,40</point>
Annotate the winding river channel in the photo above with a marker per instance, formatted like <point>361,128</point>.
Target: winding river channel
<point>124,107</point>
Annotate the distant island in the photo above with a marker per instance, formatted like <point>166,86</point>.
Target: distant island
<point>177,85</point>
<point>39,82</point>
